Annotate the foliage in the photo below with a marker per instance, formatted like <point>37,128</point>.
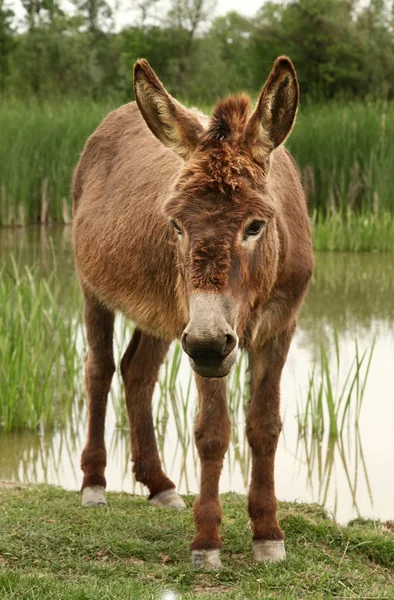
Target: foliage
<point>352,232</point>
<point>341,48</point>
<point>345,152</point>
<point>39,148</point>
<point>6,43</point>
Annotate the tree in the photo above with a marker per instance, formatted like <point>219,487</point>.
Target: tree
<point>187,17</point>
<point>96,13</point>
<point>6,43</point>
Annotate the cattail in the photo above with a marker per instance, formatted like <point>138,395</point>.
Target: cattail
<point>65,212</point>
<point>309,181</point>
<point>375,204</point>
<point>44,202</point>
<point>383,124</point>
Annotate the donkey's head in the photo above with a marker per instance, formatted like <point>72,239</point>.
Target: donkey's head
<point>222,210</point>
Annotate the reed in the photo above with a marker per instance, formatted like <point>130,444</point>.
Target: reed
<point>353,232</point>
<point>39,147</point>
<point>325,458</point>
<point>39,361</point>
<point>344,151</point>
<point>346,154</point>
<point>334,399</point>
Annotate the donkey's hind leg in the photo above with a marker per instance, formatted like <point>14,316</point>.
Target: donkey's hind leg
<point>140,369</point>
<point>99,369</point>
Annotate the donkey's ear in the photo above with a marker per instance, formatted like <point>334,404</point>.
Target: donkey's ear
<point>174,125</point>
<point>275,113</point>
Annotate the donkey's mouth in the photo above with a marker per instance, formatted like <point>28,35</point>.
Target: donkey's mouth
<point>206,367</point>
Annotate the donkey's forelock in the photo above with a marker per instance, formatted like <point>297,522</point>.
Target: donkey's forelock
<point>229,119</point>
<point>222,161</point>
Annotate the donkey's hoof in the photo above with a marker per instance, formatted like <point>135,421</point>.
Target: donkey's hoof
<point>93,496</point>
<point>167,499</point>
<point>206,559</point>
<point>269,550</point>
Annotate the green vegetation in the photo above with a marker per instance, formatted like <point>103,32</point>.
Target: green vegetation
<point>39,361</point>
<point>328,423</point>
<point>39,148</point>
<point>64,68</point>
<point>354,232</point>
<point>51,548</point>
<point>52,49</point>
<point>343,151</point>
<point>42,345</point>
<point>346,155</point>
<point>331,404</point>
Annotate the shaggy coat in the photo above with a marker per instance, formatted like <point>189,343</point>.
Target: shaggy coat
<point>193,227</point>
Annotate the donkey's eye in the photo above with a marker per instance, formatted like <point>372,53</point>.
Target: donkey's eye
<point>254,228</point>
<point>176,227</point>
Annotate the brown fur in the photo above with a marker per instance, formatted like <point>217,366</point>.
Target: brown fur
<point>212,179</point>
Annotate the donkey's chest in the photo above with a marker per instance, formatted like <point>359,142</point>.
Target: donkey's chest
<point>140,282</point>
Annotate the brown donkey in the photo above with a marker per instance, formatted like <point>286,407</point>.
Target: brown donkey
<point>194,228</point>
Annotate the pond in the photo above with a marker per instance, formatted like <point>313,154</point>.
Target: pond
<point>351,294</point>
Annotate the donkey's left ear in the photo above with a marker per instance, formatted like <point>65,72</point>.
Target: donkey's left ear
<point>273,119</point>
<point>173,124</point>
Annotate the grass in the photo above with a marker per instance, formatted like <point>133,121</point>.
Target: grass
<point>344,152</point>
<point>331,405</point>
<point>39,148</point>
<point>51,548</point>
<point>353,232</point>
<point>39,362</point>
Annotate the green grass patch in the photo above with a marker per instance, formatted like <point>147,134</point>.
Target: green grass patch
<point>51,548</point>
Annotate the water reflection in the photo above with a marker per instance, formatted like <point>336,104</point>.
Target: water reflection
<point>323,457</point>
<point>352,294</point>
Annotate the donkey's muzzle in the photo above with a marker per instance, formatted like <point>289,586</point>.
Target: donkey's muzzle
<point>206,350</point>
<point>209,339</point>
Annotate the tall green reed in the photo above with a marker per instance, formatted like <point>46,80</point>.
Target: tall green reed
<point>353,232</point>
<point>39,148</point>
<point>343,149</point>
<point>334,399</point>
<point>39,361</point>
<point>325,457</point>
<point>346,153</point>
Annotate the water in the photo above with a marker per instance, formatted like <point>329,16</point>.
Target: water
<point>352,294</point>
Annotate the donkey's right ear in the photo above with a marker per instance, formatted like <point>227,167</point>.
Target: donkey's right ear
<point>173,124</point>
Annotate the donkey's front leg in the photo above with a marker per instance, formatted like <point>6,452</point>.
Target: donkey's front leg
<point>212,435</point>
<point>99,369</point>
<point>263,429</point>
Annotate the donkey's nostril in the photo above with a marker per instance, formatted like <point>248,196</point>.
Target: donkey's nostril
<point>229,344</point>
<point>208,349</point>
<point>184,342</point>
